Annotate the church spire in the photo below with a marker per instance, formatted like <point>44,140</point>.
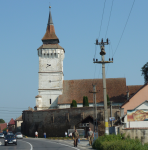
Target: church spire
<point>50,36</point>
<point>50,17</point>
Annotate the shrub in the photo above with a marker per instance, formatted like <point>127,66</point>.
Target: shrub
<point>117,142</point>
<point>74,103</point>
<point>85,101</point>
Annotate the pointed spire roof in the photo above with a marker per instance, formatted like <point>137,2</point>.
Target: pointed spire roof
<point>50,17</point>
<point>50,36</point>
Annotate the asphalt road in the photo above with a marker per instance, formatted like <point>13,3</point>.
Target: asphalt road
<point>38,144</point>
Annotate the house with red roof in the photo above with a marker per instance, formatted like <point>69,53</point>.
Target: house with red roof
<point>3,126</point>
<point>11,125</point>
<point>136,108</point>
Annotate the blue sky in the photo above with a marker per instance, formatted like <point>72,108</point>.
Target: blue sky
<point>77,25</point>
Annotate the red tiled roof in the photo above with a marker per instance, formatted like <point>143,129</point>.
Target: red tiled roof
<point>52,46</point>
<point>12,122</point>
<point>133,89</point>
<point>76,89</point>
<point>50,33</point>
<point>3,126</point>
<point>140,87</point>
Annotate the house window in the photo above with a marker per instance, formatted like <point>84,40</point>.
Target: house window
<point>50,101</point>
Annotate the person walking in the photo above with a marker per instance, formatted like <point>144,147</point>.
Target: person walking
<point>65,134</point>
<point>76,136</point>
<point>90,136</point>
<point>36,134</point>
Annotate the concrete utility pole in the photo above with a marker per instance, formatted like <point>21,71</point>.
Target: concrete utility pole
<point>111,112</point>
<point>102,53</point>
<point>95,107</point>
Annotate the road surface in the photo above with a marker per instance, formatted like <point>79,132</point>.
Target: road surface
<point>39,144</point>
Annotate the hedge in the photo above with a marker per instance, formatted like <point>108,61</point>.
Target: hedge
<point>118,142</point>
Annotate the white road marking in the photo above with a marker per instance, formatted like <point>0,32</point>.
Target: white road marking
<point>0,143</point>
<point>29,144</point>
<point>63,144</point>
<point>60,144</point>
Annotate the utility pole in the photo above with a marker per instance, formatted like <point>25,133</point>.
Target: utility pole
<point>102,53</point>
<point>111,112</point>
<point>95,107</point>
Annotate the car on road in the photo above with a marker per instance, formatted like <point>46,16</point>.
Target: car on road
<point>5,133</point>
<point>10,139</point>
<point>19,135</point>
<point>10,133</point>
<point>1,135</point>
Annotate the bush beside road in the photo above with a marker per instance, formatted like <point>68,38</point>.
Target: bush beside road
<point>118,142</point>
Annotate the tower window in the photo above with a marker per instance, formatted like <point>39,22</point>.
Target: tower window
<point>50,101</point>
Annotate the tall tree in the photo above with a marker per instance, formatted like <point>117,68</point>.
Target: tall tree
<point>144,70</point>
<point>2,121</point>
<point>108,101</point>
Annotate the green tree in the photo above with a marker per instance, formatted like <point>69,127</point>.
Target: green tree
<point>144,70</point>
<point>74,103</point>
<point>85,101</point>
<point>108,101</point>
<point>5,129</point>
<point>2,121</point>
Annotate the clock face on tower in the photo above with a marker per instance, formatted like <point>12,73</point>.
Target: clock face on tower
<point>50,65</point>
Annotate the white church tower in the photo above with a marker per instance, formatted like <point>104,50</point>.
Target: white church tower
<point>51,56</point>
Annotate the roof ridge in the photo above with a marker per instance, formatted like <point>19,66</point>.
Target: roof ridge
<point>134,85</point>
<point>94,79</point>
<point>134,94</point>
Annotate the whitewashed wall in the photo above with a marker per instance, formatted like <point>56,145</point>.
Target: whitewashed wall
<point>90,105</point>
<point>50,77</point>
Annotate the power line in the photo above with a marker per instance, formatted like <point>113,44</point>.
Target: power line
<point>124,28</point>
<point>10,111</point>
<point>121,35</point>
<point>14,108</point>
<point>95,64</point>
<point>99,71</point>
<point>109,18</point>
<point>102,19</point>
<point>100,25</point>
<point>99,35</point>
<point>109,56</point>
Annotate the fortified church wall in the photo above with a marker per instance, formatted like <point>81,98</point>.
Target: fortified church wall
<point>56,121</point>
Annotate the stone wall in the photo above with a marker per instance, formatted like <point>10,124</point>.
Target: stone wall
<point>56,121</point>
<point>137,133</point>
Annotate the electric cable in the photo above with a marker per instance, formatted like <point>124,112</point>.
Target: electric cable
<point>109,18</point>
<point>102,19</point>
<point>14,108</point>
<point>99,35</point>
<point>124,27</point>
<point>95,64</point>
<point>121,34</point>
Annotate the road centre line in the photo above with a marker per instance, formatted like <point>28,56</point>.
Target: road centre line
<point>29,144</point>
